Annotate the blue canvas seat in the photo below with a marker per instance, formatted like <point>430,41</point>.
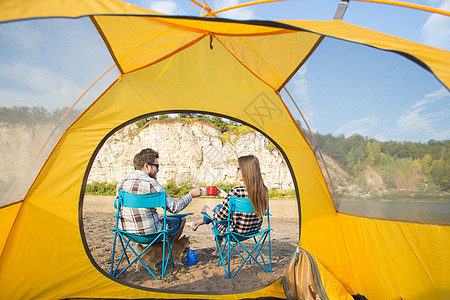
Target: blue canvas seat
<point>153,200</point>
<point>232,240</point>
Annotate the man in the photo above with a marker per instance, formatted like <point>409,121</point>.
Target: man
<point>143,181</point>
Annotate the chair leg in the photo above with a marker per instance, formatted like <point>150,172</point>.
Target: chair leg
<point>229,257</point>
<point>165,261</point>
<point>222,257</point>
<point>124,253</point>
<point>259,244</point>
<point>138,256</point>
<point>113,252</point>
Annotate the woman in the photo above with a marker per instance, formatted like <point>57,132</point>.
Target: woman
<point>253,188</point>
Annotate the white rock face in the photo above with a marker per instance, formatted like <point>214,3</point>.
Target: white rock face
<point>189,150</point>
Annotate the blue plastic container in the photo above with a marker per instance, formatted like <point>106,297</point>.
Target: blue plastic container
<point>191,258</point>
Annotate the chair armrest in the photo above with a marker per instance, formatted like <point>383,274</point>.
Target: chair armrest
<point>215,221</point>
<point>206,215</point>
<point>179,215</point>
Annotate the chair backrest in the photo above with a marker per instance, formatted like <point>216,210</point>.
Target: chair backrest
<point>152,200</point>
<point>242,205</point>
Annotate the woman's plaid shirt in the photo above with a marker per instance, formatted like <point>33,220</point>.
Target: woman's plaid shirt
<point>242,223</point>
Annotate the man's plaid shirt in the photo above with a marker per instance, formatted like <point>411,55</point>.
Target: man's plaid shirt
<point>242,223</point>
<point>145,220</point>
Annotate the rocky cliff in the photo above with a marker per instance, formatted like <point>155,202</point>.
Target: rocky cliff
<point>190,150</point>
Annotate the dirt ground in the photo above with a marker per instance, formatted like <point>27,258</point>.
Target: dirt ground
<point>205,276</point>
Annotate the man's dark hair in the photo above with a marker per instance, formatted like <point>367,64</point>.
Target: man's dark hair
<point>145,156</point>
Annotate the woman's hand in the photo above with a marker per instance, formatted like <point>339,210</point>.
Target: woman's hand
<point>221,193</point>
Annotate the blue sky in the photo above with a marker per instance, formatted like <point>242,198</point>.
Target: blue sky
<point>343,88</point>
<point>367,92</point>
<point>411,24</point>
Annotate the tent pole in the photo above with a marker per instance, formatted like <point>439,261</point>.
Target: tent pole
<point>315,148</point>
<point>340,11</point>
<point>236,6</point>
<point>410,5</point>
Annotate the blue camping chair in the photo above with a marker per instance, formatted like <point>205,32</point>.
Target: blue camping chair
<point>153,200</point>
<point>232,239</point>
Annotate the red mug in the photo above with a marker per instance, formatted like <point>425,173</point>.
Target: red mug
<point>211,191</point>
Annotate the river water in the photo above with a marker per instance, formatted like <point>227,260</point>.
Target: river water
<point>401,210</point>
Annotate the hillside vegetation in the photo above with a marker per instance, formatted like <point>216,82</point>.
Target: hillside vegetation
<point>403,166</point>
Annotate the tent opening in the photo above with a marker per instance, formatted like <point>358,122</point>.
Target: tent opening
<point>195,149</point>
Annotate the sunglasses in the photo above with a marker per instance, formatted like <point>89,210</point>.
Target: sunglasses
<point>156,165</point>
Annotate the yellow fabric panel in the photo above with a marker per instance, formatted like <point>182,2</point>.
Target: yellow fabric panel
<point>272,58</point>
<point>333,288</point>
<point>137,41</point>
<point>59,267</point>
<point>8,215</point>
<point>436,59</point>
<point>393,260</point>
<point>28,9</point>
<point>319,220</point>
<point>180,82</point>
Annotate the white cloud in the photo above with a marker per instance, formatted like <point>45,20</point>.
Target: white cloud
<point>301,85</point>
<point>432,97</point>
<point>244,13</point>
<point>380,137</point>
<point>361,127</point>
<point>302,97</point>
<point>427,118</point>
<point>436,30</point>
<point>19,36</point>
<point>416,123</point>
<point>168,7</point>
<point>40,87</point>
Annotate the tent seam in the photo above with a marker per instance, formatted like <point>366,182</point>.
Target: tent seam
<point>179,49</point>
<point>105,40</point>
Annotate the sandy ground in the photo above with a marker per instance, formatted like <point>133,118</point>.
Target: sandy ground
<point>98,218</point>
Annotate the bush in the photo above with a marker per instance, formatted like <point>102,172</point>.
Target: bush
<point>289,193</point>
<point>225,186</point>
<point>101,188</point>
<point>178,190</point>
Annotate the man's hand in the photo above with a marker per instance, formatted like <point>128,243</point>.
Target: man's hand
<point>196,192</point>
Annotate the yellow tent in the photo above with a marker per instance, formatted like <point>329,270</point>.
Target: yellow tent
<point>223,67</point>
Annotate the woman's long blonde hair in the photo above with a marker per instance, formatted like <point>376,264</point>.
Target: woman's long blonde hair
<point>254,184</point>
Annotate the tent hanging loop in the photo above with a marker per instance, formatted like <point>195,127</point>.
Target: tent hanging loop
<point>211,41</point>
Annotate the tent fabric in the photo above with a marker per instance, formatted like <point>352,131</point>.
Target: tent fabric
<point>30,9</point>
<point>227,68</point>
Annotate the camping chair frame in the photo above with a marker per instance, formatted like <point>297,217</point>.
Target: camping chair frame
<point>153,200</point>
<point>232,239</point>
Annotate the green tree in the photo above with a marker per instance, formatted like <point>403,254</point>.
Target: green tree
<point>440,173</point>
<point>426,163</point>
<point>374,153</point>
<point>221,124</point>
